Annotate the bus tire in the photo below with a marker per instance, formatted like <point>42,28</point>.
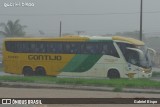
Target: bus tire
<point>40,71</point>
<point>28,71</point>
<point>113,74</point>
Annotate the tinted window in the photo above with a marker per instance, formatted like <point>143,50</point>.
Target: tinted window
<point>123,48</point>
<point>109,49</point>
<point>105,48</point>
<point>91,48</point>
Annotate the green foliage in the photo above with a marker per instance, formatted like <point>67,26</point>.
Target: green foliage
<point>118,89</point>
<point>118,83</point>
<point>12,29</point>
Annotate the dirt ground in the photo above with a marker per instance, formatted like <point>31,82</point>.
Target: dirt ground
<point>67,93</point>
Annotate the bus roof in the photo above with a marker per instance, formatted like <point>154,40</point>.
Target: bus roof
<point>127,39</point>
<point>64,38</point>
<point>77,38</point>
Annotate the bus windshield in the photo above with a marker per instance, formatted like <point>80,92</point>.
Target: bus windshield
<point>136,55</point>
<point>145,60</point>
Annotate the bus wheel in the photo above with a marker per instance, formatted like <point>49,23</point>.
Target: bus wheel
<point>27,71</point>
<point>113,74</point>
<point>40,71</point>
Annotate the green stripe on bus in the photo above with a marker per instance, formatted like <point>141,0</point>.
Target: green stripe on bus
<point>89,62</point>
<point>81,63</point>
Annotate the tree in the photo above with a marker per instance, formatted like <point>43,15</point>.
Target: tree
<point>12,29</point>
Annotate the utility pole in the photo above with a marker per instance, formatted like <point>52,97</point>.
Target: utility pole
<point>141,16</point>
<point>60,29</point>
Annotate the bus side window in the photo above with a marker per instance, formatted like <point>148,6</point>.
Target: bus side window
<point>33,47</point>
<point>91,48</point>
<point>82,48</point>
<point>109,49</point>
<point>96,48</point>
<point>18,46</point>
<point>104,49</point>
<point>42,47</point>
<point>50,47</point>
<point>87,48</point>
<point>25,46</point>
<point>58,47</point>
<point>10,46</point>
<point>113,50</point>
<point>70,48</point>
<point>66,47</point>
<point>75,48</point>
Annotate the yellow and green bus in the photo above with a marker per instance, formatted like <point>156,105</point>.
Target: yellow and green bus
<point>82,56</point>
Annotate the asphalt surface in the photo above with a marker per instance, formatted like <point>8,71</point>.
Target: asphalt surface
<point>70,93</point>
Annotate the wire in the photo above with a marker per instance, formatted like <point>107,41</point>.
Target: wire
<point>80,14</point>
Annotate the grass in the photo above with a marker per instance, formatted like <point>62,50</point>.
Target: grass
<point>118,89</point>
<point>138,83</point>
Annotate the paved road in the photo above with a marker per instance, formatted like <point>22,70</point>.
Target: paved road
<point>8,74</point>
<point>67,93</point>
<point>3,73</point>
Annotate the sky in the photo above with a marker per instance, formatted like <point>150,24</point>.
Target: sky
<point>94,17</point>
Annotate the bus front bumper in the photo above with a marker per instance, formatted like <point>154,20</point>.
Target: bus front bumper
<point>146,75</point>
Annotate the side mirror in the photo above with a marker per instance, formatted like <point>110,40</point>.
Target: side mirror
<point>152,51</point>
<point>137,50</point>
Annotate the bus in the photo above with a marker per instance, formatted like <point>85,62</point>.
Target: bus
<point>82,56</point>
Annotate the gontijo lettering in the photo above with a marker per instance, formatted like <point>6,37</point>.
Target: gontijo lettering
<point>44,57</point>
